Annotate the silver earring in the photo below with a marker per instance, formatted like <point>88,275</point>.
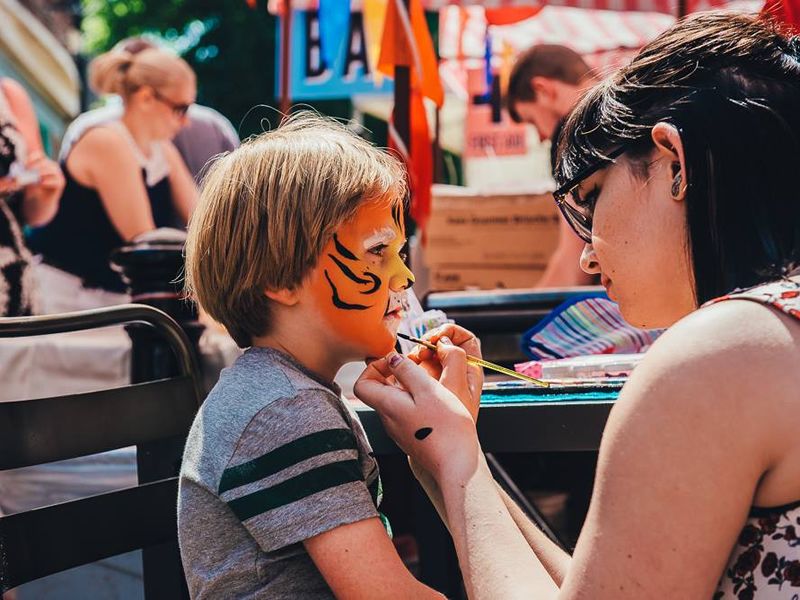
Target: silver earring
<point>676,186</point>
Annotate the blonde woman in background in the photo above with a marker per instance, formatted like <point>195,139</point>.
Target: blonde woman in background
<point>123,178</point>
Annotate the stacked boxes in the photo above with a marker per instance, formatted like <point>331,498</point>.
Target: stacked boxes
<point>486,240</point>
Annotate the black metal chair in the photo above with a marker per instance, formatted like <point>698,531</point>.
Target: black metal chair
<point>154,416</point>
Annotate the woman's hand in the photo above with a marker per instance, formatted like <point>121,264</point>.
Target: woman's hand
<point>42,197</point>
<point>426,417</point>
<point>451,334</point>
<point>8,185</point>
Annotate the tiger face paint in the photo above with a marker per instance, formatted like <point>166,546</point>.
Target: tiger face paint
<point>360,281</point>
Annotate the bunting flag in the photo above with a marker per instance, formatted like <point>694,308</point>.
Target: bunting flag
<point>508,15</point>
<point>334,19</point>
<point>407,42</point>
<point>374,16</point>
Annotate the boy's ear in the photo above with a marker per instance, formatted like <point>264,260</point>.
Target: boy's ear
<point>283,296</point>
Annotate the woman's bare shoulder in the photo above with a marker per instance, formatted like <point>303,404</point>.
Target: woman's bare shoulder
<point>729,365</point>
<point>737,343</point>
<point>104,145</point>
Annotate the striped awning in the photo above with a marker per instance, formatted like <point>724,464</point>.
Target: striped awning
<point>660,6</point>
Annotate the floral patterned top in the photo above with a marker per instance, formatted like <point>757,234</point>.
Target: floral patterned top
<point>765,564</point>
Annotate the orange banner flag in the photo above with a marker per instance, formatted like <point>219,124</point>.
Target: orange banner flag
<point>407,41</point>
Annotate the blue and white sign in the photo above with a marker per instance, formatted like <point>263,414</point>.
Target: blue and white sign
<point>311,77</point>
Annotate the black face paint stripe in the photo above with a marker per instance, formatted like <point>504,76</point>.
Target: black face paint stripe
<point>338,302</point>
<point>423,432</point>
<point>396,214</point>
<point>409,283</point>
<point>376,283</point>
<point>347,272</point>
<point>341,249</point>
<point>374,280</point>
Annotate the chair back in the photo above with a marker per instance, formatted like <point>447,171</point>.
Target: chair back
<point>154,416</point>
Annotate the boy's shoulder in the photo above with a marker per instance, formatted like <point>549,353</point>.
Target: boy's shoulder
<point>256,380</point>
<point>260,402</point>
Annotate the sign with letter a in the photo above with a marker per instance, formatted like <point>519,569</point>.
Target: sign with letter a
<point>311,78</point>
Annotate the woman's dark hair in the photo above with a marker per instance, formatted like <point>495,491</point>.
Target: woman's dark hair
<point>730,84</point>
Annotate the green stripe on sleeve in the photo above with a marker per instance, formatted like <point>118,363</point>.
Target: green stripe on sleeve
<point>294,489</point>
<point>287,455</point>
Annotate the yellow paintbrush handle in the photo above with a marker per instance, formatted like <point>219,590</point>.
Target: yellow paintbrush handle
<point>489,365</point>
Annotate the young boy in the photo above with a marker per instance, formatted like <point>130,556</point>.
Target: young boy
<point>295,247</point>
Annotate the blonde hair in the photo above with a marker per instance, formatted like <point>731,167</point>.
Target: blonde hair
<point>267,210</point>
<point>120,72</point>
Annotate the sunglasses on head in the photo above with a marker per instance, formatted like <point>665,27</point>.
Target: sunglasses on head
<point>580,219</point>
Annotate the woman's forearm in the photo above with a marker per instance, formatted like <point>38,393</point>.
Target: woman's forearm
<point>431,489</point>
<point>553,558</point>
<point>495,558</point>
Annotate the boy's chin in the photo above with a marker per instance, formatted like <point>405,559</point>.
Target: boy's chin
<point>379,348</point>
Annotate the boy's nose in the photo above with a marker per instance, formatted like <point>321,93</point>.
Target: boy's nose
<point>589,262</point>
<point>402,279</point>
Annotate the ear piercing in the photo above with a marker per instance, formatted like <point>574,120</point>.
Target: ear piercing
<point>676,185</point>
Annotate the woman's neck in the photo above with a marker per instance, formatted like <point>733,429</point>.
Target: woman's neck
<point>135,124</point>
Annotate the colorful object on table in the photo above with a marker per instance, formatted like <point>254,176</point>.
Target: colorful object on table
<point>474,360</point>
<point>588,324</point>
<point>517,392</point>
<point>592,367</point>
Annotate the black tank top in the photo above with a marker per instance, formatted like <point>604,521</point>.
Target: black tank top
<point>81,237</point>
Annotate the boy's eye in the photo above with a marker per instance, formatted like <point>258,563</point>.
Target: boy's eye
<point>377,250</point>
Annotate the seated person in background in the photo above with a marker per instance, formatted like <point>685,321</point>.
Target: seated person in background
<point>545,83</point>
<point>296,248</point>
<point>124,178</point>
<point>30,186</point>
<point>206,134</point>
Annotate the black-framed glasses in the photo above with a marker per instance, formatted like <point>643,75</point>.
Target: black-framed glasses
<point>580,219</point>
<point>179,109</point>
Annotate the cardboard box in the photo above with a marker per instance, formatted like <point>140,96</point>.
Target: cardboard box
<point>485,240</point>
<point>446,278</point>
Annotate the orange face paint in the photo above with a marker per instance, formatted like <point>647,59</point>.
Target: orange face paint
<point>360,281</point>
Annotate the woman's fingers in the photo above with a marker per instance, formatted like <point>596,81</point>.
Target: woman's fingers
<point>412,377</point>
<point>460,337</point>
<point>457,378</point>
<point>377,391</point>
<point>454,365</point>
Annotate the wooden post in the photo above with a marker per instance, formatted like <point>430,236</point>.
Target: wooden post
<point>402,104</point>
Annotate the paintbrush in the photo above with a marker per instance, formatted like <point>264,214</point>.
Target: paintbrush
<point>474,360</point>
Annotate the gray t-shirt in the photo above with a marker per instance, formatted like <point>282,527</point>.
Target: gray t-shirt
<point>274,457</point>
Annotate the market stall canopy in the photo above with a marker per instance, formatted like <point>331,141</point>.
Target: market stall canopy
<point>40,58</point>
<point>662,6</point>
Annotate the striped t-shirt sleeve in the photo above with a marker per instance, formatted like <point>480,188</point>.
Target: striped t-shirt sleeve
<point>296,472</point>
